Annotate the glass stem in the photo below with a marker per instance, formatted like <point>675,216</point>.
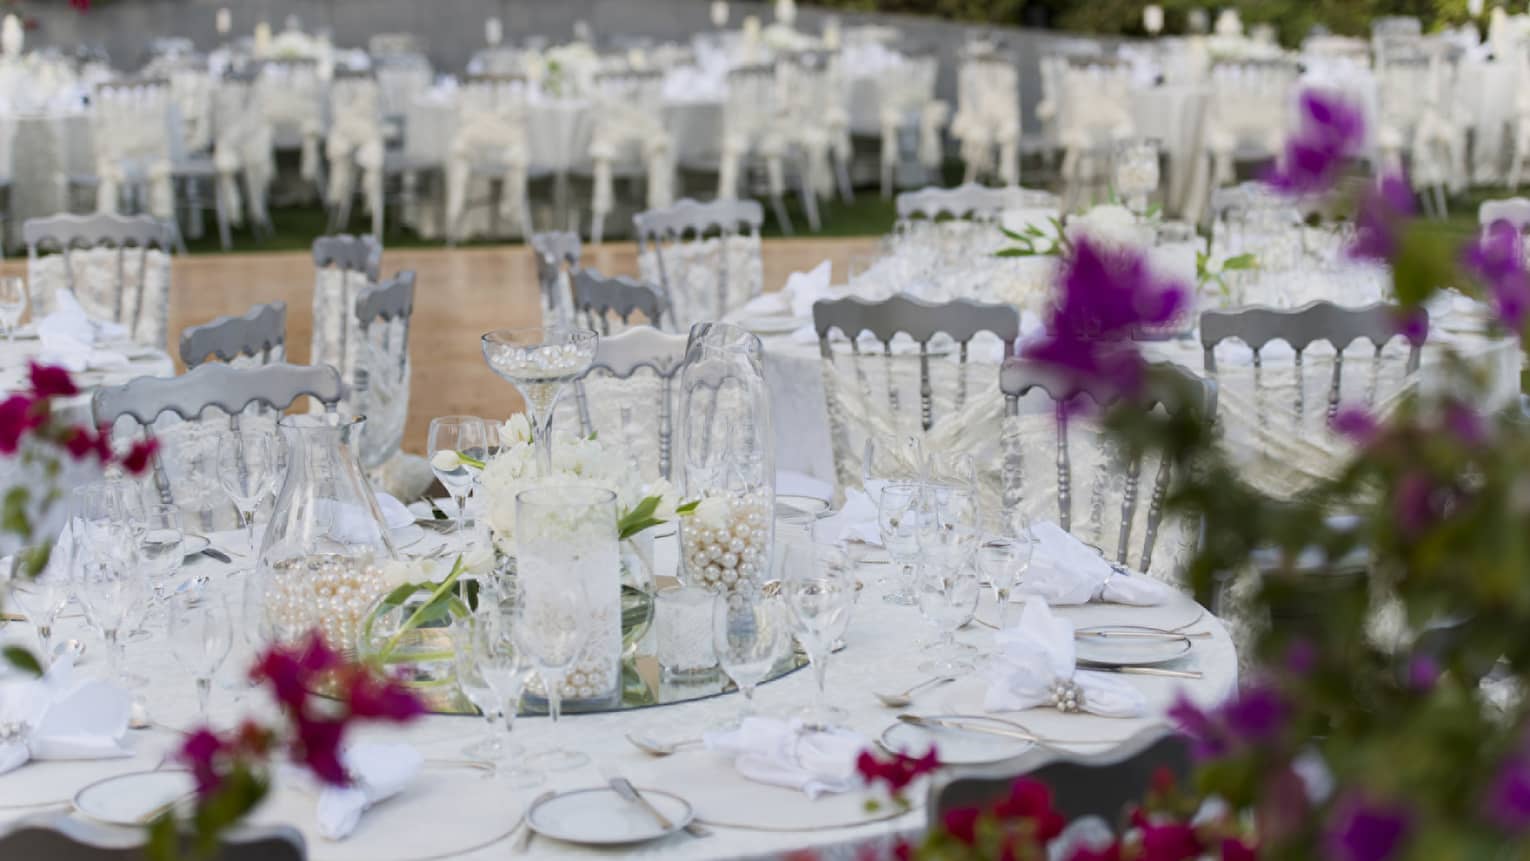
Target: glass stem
<point>113,660</point>
<point>461,512</point>
<point>820,675</point>
<point>204,696</point>
<point>748,708</point>
<point>45,638</point>
<point>543,429</point>
<point>554,695</point>
<point>249,528</point>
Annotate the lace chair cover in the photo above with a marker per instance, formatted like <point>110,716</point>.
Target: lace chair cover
<point>243,149</point>
<point>292,97</point>
<point>380,380</point>
<point>130,124</point>
<point>1247,112</point>
<point>629,397</point>
<point>751,113</point>
<point>1439,136</point>
<point>987,121</point>
<point>127,284</point>
<point>491,138</point>
<point>191,89</point>
<point>1053,68</point>
<point>1095,110</point>
<point>336,332</point>
<point>816,116</point>
<point>1520,119</point>
<point>401,78</point>
<point>629,114</point>
<point>355,141</point>
<point>908,98</point>
<point>704,277</point>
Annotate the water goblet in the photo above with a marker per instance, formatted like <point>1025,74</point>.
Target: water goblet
<point>13,303</point>
<point>897,521</point>
<point>106,584</point>
<point>540,362</point>
<point>450,438</point>
<point>201,634</point>
<point>491,670</point>
<point>819,597</point>
<point>947,599</point>
<point>247,467</point>
<point>748,635</point>
<point>41,598</point>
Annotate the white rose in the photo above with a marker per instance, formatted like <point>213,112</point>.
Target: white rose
<point>397,573</point>
<point>516,431</point>
<point>479,560</point>
<point>712,512</point>
<point>1213,266</point>
<point>1109,224</point>
<point>445,460</point>
<point>669,500</point>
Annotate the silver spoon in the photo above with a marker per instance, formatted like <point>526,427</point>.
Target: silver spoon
<point>903,698</point>
<point>654,747</point>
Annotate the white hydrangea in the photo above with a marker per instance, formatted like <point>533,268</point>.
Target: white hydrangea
<point>576,460</point>
<point>1109,224</point>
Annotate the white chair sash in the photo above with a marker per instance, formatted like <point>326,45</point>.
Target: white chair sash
<point>355,141</point>
<point>618,125</point>
<point>131,130</point>
<point>498,138</point>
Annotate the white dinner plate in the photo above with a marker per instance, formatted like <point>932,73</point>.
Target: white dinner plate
<point>772,324</point>
<point>600,817</point>
<point>797,502</point>
<point>956,746</point>
<point>1128,651</point>
<point>127,798</point>
<point>192,544</point>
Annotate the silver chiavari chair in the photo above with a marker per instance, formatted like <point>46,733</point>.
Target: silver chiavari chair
<point>131,286</point>
<point>597,297</point>
<point>259,334</point>
<point>973,201</point>
<point>344,265</point>
<point>557,256</point>
<point>705,256</point>
<point>380,382</point>
<point>59,837</point>
<point>630,393</point>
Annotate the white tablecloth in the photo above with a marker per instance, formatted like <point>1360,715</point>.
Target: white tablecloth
<point>459,813</point>
<point>143,362</point>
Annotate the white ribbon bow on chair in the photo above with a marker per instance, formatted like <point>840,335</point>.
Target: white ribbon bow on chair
<point>502,136</point>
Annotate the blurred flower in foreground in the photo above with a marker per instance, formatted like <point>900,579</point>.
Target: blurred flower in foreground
<point>1331,132</point>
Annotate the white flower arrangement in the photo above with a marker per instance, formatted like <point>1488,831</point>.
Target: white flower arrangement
<point>1110,224</point>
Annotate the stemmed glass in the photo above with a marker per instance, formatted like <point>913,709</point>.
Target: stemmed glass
<point>1003,560</point>
<point>455,436</point>
<point>491,670</point>
<point>748,635</point>
<point>898,521</point>
<point>819,596</point>
<point>948,599</point>
<point>247,464</point>
<point>13,303</point>
<point>201,634</point>
<point>540,362</point>
<point>41,598</point>
<point>106,583</point>
<point>565,537</point>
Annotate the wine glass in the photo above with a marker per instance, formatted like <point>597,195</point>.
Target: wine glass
<point>1003,560</point>
<point>947,599</point>
<point>13,303</point>
<point>897,521</point>
<point>106,582</point>
<point>565,537</point>
<point>819,596</point>
<point>492,675</point>
<point>947,527</point>
<point>201,634</point>
<point>748,635</point>
<point>160,536</point>
<point>41,598</point>
<point>247,465</point>
<point>450,438</point>
<point>540,362</point>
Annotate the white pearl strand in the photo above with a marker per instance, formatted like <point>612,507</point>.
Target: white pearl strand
<point>733,553</point>
<point>332,593</point>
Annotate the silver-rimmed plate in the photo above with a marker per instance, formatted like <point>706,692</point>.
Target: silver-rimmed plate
<point>192,544</point>
<point>799,502</point>
<point>1137,646</point>
<point>600,817</point>
<point>134,799</point>
<point>956,746</point>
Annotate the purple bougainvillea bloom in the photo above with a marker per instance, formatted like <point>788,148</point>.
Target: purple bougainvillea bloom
<point>1497,259</point>
<point>1379,220</point>
<point>1423,672</point>
<point>1106,294</point>
<point>1508,798</point>
<point>1464,423</point>
<point>1301,657</point>
<point>1206,738</point>
<point>1256,714</point>
<point>1332,130</point>
<point>1364,831</point>
<point>1413,502</point>
<point>1356,424</point>
<point>1413,324</point>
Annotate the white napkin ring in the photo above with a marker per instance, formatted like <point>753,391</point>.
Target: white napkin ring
<point>1067,696</point>
<point>12,731</point>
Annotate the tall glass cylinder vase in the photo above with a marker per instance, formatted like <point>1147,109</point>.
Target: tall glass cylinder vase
<point>321,563</point>
<point>727,458</point>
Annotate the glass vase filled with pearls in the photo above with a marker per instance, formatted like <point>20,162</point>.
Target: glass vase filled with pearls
<point>321,564</point>
<point>726,446</point>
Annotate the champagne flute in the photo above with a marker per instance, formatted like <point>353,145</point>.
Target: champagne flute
<point>748,635</point>
<point>13,303</point>
<point>201,634</point>
<point>819,596</point>
<point>247,465</point>
<point>565,538</point>
<point>450,438</point>
<point>897,521</point>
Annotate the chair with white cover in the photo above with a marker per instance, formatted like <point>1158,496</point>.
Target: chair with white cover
<point>1390,31</point>
<point>354,145</point>
<point>1094,115</point>
<point>1515,210</point>
<point>1246,116</point>
<point>130,124</point>
<point>987,120</point>
<point>292,99</point>
<point>1438,143</point>
<point>256,337</point>
<point>629,396</point>
<point>977,202</point>
<point>599,297</point>
<point>935,392</point>
<point>117,266</point>
<point>1037,483</point>
<point>60,837</point>
<point>344,266</point>
<point>379,386</point>
<point>242,151</point>
<point>817,117</point>
<point>1052,67</point>
<point>557,256</point>
<point>908,99</point>
<point>490,145</point>
<point>705,256</point>
<point>755,131</point>
<point>629,138</point>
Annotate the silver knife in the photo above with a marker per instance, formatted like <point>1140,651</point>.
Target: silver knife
<point>217,555</point>
<point>525,823</point>
<point>967,726</point>
<point>1140,671</point>
<point>626,790</point>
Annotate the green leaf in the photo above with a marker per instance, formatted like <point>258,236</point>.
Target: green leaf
<point>34,559</point>
<point>1010,234</point>
<point>1240,262</point>
<point>13,511</point>
<point>400,594</point>
<point>687,507</point>
<point>1014,252</point>
<point>22,660</point>
<point>633,528</point>
<point>470,460</point>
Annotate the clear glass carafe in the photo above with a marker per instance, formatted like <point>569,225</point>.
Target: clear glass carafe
<point>727,458</point>
<point>322,559</point>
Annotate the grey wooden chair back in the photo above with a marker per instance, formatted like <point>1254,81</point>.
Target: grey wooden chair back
<point>1515,210</point>
<point>974,201</point>
<point>659,231</point>
<point>59,837</point>
<point>1102,784</point>
<point>260,332</point>
<point>141,233</point>
<point>556,255</point>
<point>598,296</point>
<point>1301,327</point>
<point>1019,377</point>
<point>621,357</point>
<point>349,253</point>
<point>380,389</point>
<point>344,265</point>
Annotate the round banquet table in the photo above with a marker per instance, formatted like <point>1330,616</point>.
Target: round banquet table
<point>458,812</point>
<point>142,362</point>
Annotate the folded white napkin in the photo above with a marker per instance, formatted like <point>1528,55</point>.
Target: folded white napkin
<point>857,520</point>
<point>57,717</point>
<point>69,337</point>
<point>785,753</point>
<point>1036,655</point>
<point>378,771</point>
<point>353,524</point>
<point>395,514</point>
<point>797,297</point>
<point>1065,570</point>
